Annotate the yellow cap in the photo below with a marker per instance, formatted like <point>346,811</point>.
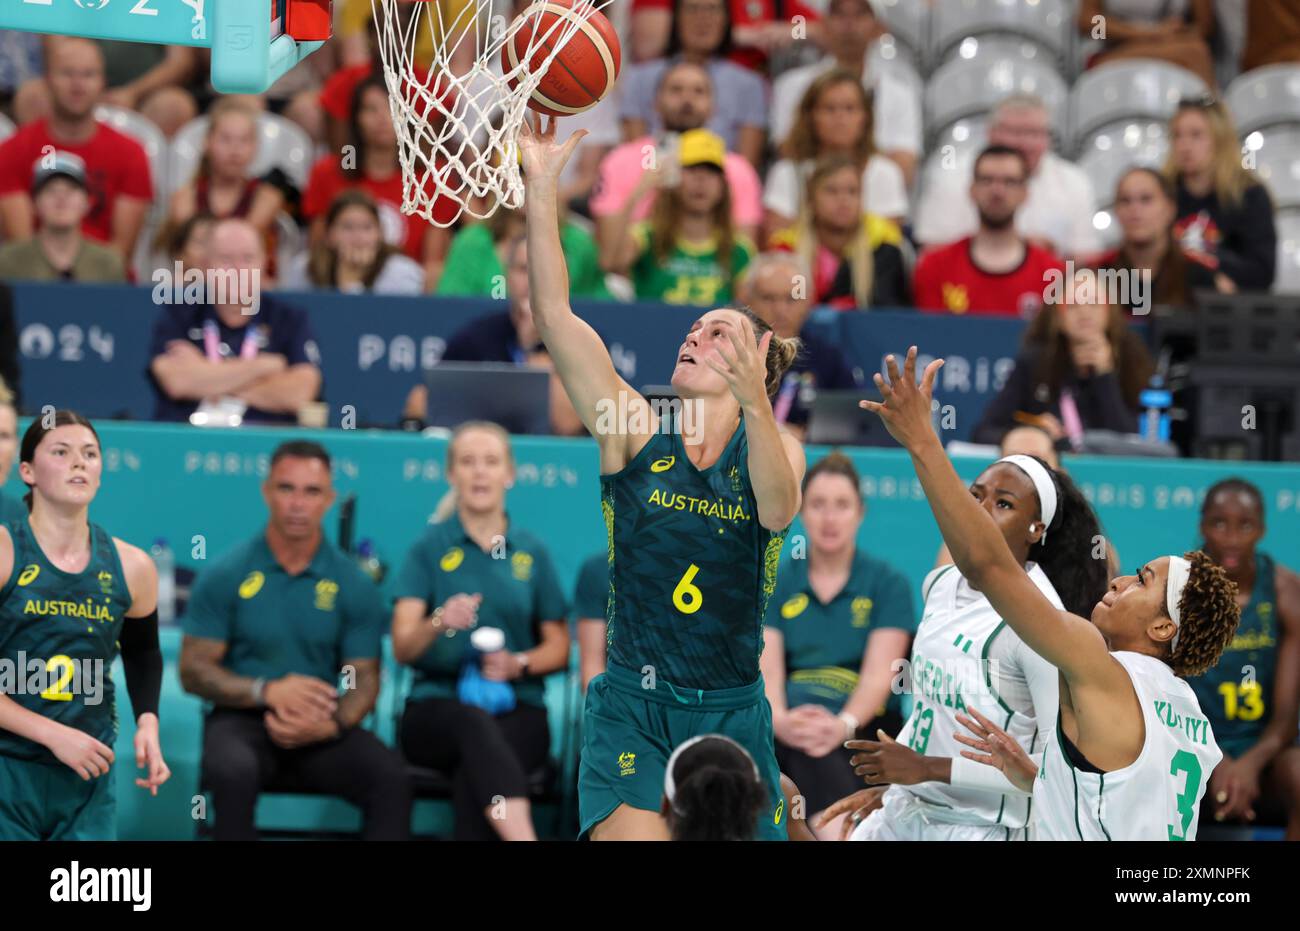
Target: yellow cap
<point>701,147</point>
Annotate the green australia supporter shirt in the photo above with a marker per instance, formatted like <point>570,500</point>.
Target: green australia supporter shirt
<point>520,590</point>
<point>275,623</point>
<point>473,266</point>
<point>825,643</point>
<point>691,273</point>
<point>591,595</point>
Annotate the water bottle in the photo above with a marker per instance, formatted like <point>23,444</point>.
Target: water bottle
<point>369,561</point>
<point>1156,400</point>
<point>165,561</point>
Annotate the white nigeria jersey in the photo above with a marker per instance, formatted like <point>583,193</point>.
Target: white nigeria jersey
<point>1158,795</point>
<point>952,670</point>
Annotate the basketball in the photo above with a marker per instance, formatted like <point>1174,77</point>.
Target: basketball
<point>585,69</point>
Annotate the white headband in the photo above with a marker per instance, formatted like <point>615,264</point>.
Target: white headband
<point>1179,571</point>
<point>1043,484</point>
<point>670,787</point>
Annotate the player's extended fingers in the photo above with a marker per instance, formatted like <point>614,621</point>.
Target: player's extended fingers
<point>980,758</point>
<point>979,744</point>
<point>984,722</point>
<point>909,365</point>
<point>861,744</point>
<point>874,407</point>
<point>886,389</point>
<point>927,379</point>
<point>891,365</point>
<point>971,725</point>
<point>572,143</point>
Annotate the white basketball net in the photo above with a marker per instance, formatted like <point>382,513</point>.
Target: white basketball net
<point>456,134</point>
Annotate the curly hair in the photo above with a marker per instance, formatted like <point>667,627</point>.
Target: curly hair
<point>719,796</point>
<point>1068,555</point>
<point>1209,615</point>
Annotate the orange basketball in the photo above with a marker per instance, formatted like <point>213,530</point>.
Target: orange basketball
<point>585,69</point>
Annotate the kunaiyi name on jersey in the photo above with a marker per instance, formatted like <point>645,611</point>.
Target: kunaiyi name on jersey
<point>701,506</point>
<point>86,611</point>
<point>1196,729</point>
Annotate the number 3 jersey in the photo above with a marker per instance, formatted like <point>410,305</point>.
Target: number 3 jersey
<point>690,566</point>
<point>965,656</point>
<point>1158,795</point>
<point>58,639</point>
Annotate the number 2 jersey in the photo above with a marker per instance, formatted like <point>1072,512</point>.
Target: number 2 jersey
<point>690,567</point>
<point>965,656</point>
<point>65,627</point>
<point>1158,795</point>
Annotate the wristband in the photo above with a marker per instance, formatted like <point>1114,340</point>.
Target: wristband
<point>436,618</point>
<point>259,693</point>
<point>851,724</point>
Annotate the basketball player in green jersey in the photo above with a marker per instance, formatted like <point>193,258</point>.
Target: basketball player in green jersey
<point>71,597</point>
<point>1252,696</point>
<point>695,525</point>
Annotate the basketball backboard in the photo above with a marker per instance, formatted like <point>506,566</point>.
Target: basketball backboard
<point>251,44</point>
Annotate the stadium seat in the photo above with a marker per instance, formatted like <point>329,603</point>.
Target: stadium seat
<point>1045,23</point>
<point>1277,164</point>
<point>965,135</point>
<point>6,127</point>
<point>1112,152</point>
<point>1288,252</point>
<point>282,144</point>
<point>990,70</point>
<point>1265,97</point>
<point>908,22</point>
<point>1124,91</point>
<point>143,131</point>
<point>888,52</point>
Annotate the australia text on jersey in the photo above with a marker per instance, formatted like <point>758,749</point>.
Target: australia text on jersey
<point>57,678</point>
<point>702,506</point>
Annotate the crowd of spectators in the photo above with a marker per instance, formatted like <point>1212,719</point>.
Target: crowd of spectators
<point>736,130</point>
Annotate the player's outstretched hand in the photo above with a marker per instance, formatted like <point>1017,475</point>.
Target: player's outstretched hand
<point>148,753</point>
<point>544,158</point>
<point>995,747</point>
<point>857,806</point>
<point>904,405</point>
<point>886,760</point>
<point>80,752</point>
<point>744,364</point>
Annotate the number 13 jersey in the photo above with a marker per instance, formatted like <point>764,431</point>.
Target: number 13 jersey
<point>690,566</point>
<point>1158,795</point>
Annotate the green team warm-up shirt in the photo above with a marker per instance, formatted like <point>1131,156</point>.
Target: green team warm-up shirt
<point>825,643</point>
<point>275,623</point>
<point>520,590</point>
<point>692,273</point>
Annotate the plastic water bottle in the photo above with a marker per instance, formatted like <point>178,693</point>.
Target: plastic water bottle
<point>165,560</point>
<point>1156,400</point>
<point>369,562</point>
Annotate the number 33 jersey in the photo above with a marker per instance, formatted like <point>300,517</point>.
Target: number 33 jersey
<point>690,566</point>
<point>959,662</point>
<point>1158,795</point>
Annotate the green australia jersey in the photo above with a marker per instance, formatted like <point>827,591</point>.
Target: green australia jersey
<point>1236,693</point>
<point>520,590</point>
<point>274,623</point>
<point>12,509</point>
<point>692,273</point>
<point>691,568</point>
<point>825,642</point>
<point>58,639</point>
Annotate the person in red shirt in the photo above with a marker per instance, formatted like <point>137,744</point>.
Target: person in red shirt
<point>758,28</point>
<point>996,271</point>
<point>369,162</point>
<point>117,168</point>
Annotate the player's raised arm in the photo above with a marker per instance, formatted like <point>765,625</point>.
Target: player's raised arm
<point>978,549</point>
<point>580,356</point>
